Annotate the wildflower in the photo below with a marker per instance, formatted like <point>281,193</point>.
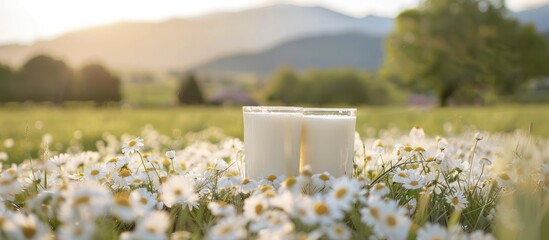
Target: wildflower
<point>153,225</point>
<point>338,231</point>
<point>76,231</point>
<point>272,222</point>
<point>95,173</point>
<point>417,132</point>
<point>122,208</point>
<point>3,156</point>
<point>86,200</point>
<point>179,190</point>
<point>228,229</point>
<point>343,193</point>
<point>400,175</point>
<point>170,154</point>
<point>132,146</point>
<point>410,206</point>
<point>387,218</point>
<point>254,206</point>
<point>321,211</point>
<point>379,190</point>
<point>457,200</point>
<point>432,231</point>
<point>273,180</point>
<point>222,209</point>
<point>322,180</point>
<point>478,136</point>
<point>485,161</point>
<point>292,184</point>
<point>142,201</point>
<point>27,226</point>
<point>414,180</point>
<point>9,143</point>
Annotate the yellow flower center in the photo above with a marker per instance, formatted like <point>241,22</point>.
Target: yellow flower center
<point>222,204</point>
<point>122,201</point>
<point>290,182</point>
<point>259,209</point>
<point>224,230</point>
<point>413,183</point>
<point>320,209</point>
<point>178,192</point>
<point>455,201</point>
<point>402,174</point>
<point>245,181</point>
<point>82,200</point>
<point>341,193</point>
<point>408,149</point>
<point>379,187</point>
<point>339,230</point>
<point>29,231</point>
<point>374,212</point>
<point>132,143</point>
<point>271,178</point>
<point>391,221</point>
<point>143,200</point>
<point>94,172</point>
<point>504,176</point>
<point>324,177</point>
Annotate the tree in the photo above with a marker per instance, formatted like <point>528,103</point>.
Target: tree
<point>284,87</point>
<point>97,84</point>
<point>189,91</point>
<point>42,78</point>
<point>453,46</point>
<point>6,79</point>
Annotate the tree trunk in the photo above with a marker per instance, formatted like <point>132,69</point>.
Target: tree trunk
<point>444,94</point>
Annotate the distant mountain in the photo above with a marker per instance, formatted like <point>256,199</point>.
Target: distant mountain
<point>538,16</point>
<point>183,43</point>
<point>348,50</point>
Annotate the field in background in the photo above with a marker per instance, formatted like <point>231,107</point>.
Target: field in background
<point>27,125</point>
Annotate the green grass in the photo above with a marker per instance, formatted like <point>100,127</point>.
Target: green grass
<point>19,122</point>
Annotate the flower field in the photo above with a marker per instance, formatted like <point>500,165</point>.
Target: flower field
<point>405,186</point>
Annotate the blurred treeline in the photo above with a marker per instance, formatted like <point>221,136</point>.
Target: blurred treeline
<point>45,79</point>
<point>326,87</point>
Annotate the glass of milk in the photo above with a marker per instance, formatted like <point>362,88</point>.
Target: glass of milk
<point>327,140</point>
<point>272,140</point>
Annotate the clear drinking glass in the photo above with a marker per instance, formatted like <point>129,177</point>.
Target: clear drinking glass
<point>271,140</point>
<point>327,140</point>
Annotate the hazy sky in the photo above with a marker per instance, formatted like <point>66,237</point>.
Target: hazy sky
<point>24,21</point>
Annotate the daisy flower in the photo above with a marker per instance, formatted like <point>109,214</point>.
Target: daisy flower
<point>153,225</point>
<point>95,173</point>
<point>228,229</point>
<point>132,146</point>
<point>222,209</point>
<point>322,180</point>
<point>248,185</point>
<point>343,193</point>
<point>143,201</point>
<point>393,224</point>
<point>28,227</point>
<point>432,232</point>
<point>320,211</point>
<point>254,206</point>
<point>457,200</point>
<point>338,231</point>
<point>379,190</point>
<point>414,180</point>
<point>273,180</point>
<point>179,190</point>
<point>274,222</point>
<point>76,231</point>
<point>122,208</point>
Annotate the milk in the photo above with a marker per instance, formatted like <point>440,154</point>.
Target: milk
<point>328,143</point>
<point>272,141</point>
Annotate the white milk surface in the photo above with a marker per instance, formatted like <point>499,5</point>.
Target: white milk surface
<point>272,143</point>
<point>328,144</point>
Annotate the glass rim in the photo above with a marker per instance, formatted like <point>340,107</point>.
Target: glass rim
<point>288,109</point>
<point>330,111</point>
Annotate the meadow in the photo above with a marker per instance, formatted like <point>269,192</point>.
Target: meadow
<point>26,126</point>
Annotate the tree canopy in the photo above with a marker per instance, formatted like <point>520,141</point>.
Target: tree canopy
<point>455,47</point>
<point>189,92</point>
